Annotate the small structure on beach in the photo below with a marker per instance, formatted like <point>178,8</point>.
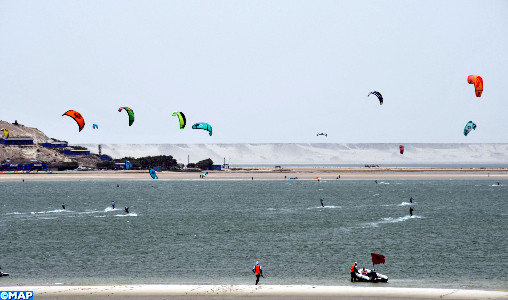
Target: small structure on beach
<point>17,141</point>
<point>76,152</point>
<point>39,166</point>
<point>55,145</point>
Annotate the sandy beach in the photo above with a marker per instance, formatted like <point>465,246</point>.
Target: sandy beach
<point>249,292</point>
<point>269,173</point>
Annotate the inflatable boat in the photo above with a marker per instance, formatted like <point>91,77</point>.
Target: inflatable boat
<point>371,276</point>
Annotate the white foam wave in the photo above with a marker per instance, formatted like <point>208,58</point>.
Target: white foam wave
<point>390,220</point>
<point>48,211</point>
<point>324,207</point>
<point>127,215</point>
<point>109,208</point>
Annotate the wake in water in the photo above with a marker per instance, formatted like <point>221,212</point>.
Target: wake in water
<point>283,210</point>
<point>324,207</point>
<point>406,203</point>
<point>50,211</point>
<point>127,215</point>
<point>109,208</point>
<point>391,220</point>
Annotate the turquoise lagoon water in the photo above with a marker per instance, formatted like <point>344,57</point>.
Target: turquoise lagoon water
<point>212,232</point>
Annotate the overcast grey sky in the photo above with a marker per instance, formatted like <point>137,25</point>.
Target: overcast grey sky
<point>257,71</point>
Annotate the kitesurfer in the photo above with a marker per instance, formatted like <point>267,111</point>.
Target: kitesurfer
<point>498,183</point>
<point>257,271</point>
<point>411,211</point>
<point>375,181</point>
<point>126,209</point>
<point>354,270</point>
<point>63,205</point>
<point>411,200</point>
<point>322,202</point>
<point>113,204</point>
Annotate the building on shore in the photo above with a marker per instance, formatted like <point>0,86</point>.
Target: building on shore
<point>17,141</point>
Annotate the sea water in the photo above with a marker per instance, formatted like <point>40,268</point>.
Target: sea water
<point>213,232</point>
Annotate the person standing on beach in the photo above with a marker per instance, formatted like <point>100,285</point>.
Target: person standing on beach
<point>257,271</point>
<point>354,270</point>
<point>113,204</point>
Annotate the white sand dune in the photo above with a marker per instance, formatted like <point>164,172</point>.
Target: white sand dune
<point>317,153</point>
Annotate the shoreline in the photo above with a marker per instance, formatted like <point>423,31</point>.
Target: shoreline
<point>286,173</point>
<point>248,292</point>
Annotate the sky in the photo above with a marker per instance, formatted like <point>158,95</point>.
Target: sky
<point>264,71</point>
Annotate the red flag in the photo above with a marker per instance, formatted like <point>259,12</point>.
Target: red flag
<point>377,258</point>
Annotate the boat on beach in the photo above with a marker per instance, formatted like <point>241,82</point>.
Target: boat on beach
<point>371,276</point>
<point>367,275</point>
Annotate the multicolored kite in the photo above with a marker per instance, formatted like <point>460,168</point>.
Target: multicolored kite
<point>181,117</point>
<point>130,112</point>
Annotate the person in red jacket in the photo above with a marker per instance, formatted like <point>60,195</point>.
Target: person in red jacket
<point>257,271</point>
<point>354,270</point>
